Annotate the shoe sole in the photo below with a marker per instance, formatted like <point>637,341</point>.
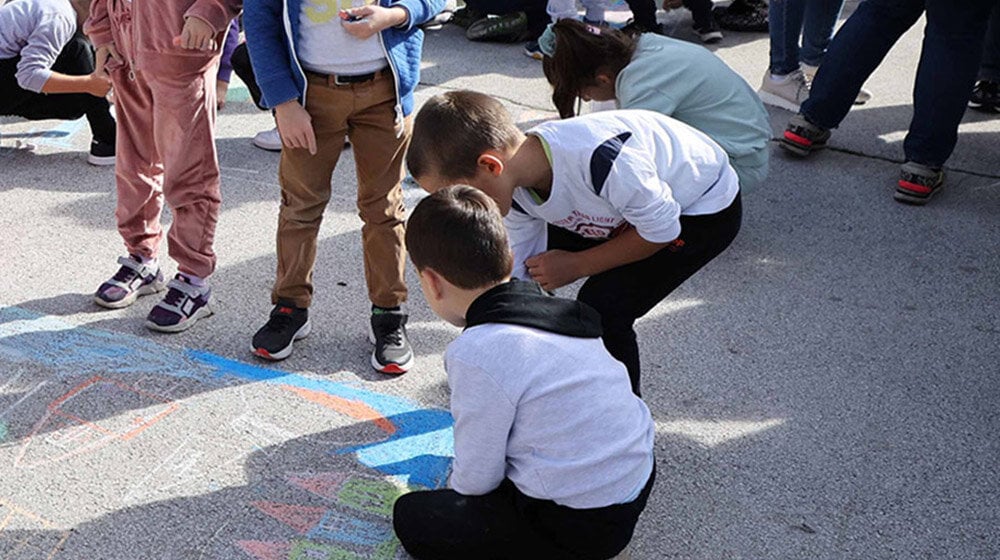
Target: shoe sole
<point>773,100</point>
<point>101,161</point>
<point>265,147</point>
<point>711,38</point>
<point>984,107</point>
<point>128,300</point>
<point>798,149</point>
<point>905,197</point>
<point>183,325</point>
<point>285,352</point>
<point>392,368</point>
<point>534,55</point>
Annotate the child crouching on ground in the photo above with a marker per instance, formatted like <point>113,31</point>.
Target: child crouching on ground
<point>634,201</point>
<point>553,453</point>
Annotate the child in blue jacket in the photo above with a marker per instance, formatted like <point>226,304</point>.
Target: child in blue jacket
<point>333,69</point>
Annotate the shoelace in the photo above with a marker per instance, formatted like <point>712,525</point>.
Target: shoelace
<point>393,336</point>
<point>125,275</point>
<point>174,297</point>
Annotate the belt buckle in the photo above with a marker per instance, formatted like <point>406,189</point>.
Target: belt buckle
<point>337,82</point>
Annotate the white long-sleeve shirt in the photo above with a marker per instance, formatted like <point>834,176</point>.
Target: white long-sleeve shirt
<point>37,31</point>
<point>614,168</point>
<point>553,413</point>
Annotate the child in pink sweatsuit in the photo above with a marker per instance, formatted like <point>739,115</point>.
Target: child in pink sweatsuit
<point>162,57</point>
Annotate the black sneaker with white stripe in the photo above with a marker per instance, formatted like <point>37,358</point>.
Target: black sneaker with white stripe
<point>286,324</point>
<point>132,280</point>
<point>181,308</point>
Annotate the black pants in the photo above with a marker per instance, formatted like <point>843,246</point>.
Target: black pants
<point>240,61</point>
<point>644,12</point>
<point>76,59</point>
<point>628,292</point>
<point>443,524</point>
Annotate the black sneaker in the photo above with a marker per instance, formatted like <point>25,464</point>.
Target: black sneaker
<point>986,96</point>
<point>101,153</point>
<point>709,33</point>
<point>918,183</point>
<point>287,324</point>
<point>802,137</point>
<point>464,17</point>
<point>392,352</point>
<point>745,15</point>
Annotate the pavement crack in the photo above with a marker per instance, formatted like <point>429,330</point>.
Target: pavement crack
<point>900,161</point>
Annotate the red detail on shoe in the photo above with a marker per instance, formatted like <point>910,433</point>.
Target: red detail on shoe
<point>922,189</point>
<point>789,135</point>
<point>392,368</point>
<point>263,353</point>
<point>285,310</point>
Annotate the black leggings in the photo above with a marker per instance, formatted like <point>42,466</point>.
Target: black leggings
<point>622,295</point>
<point>76,59</point>
<point>444,525</point>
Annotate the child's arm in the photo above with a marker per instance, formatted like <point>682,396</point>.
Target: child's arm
<point>528,237</point>
<point>98,26</point>
<point>646,202</point>
<point>554,269</point>
<point>484,417</point>
<point>404,14</point>
<point>215,14</point>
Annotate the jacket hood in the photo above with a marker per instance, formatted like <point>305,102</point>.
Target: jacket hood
<point>524,303</point>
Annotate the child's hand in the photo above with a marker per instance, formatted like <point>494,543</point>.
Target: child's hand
<point>221,90</point>
<point>365,21</point>
<point>553,269</point>
<point>295,126</point>
<point>98,84</point>
<point>197,35</point>
<point>103,55</point>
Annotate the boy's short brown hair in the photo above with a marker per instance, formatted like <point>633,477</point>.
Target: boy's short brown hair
<point>458,232</point>
<point>453,129</point>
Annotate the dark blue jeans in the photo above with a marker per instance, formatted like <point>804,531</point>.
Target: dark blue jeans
<point>949,60</point>
<point>813,20</point>
<point>990,68</point>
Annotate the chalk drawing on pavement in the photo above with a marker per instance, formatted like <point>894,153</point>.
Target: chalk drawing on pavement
<point>25,534</point>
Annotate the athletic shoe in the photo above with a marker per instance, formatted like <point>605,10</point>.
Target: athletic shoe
<point>986,96</point>
<point>101,153</point>
<point>709,33</point>
<point>918,183</point>
<point>864,95</point>
<point>269,140</point>
<point>743,16</point>
<point>633,27</point>
<point>392,352</point>
<point>464,17</point>
<point>532,50</point>
<point>132,280</point>
<point>286,325</point>
<point>507,28</point>
<point>787,92</point>
<point>437,22</point>
<point>181,308</point>
<point>803,137</point>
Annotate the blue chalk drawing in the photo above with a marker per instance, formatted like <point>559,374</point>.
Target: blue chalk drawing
<point>419,453</point>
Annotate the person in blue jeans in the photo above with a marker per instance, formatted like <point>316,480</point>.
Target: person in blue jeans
<point>986,93</point>
<point>793,63</point>
<point>949,60</point>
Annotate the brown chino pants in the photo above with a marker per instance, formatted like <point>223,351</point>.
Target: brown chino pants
<point>364,112</point>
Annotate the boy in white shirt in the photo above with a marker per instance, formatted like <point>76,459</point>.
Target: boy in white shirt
<point>553,452</point>
<point>634,201</point>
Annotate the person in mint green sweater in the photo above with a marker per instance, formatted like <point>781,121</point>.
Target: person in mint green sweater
<point>672,77</point>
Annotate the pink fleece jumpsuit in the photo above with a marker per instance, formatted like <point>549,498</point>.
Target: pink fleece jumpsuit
<point>165,103</point>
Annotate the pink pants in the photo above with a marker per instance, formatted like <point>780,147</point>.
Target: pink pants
<point>166,150</point>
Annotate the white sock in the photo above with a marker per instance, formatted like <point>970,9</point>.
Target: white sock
<point>146,260</point>
<point>196,281</point>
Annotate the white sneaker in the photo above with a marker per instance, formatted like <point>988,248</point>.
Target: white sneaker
<point>864,96</point>
<point>787,92</point>
<point>268,140</point>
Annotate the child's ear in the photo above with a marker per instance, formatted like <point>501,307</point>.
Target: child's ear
<point>491,163</point>
<point>434,283</point>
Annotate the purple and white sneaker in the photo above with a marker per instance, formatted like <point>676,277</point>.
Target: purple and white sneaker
<point>181,308</point>
<point>132,280</point>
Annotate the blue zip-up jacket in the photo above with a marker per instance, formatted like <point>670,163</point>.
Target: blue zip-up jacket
<point>272,29</point>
